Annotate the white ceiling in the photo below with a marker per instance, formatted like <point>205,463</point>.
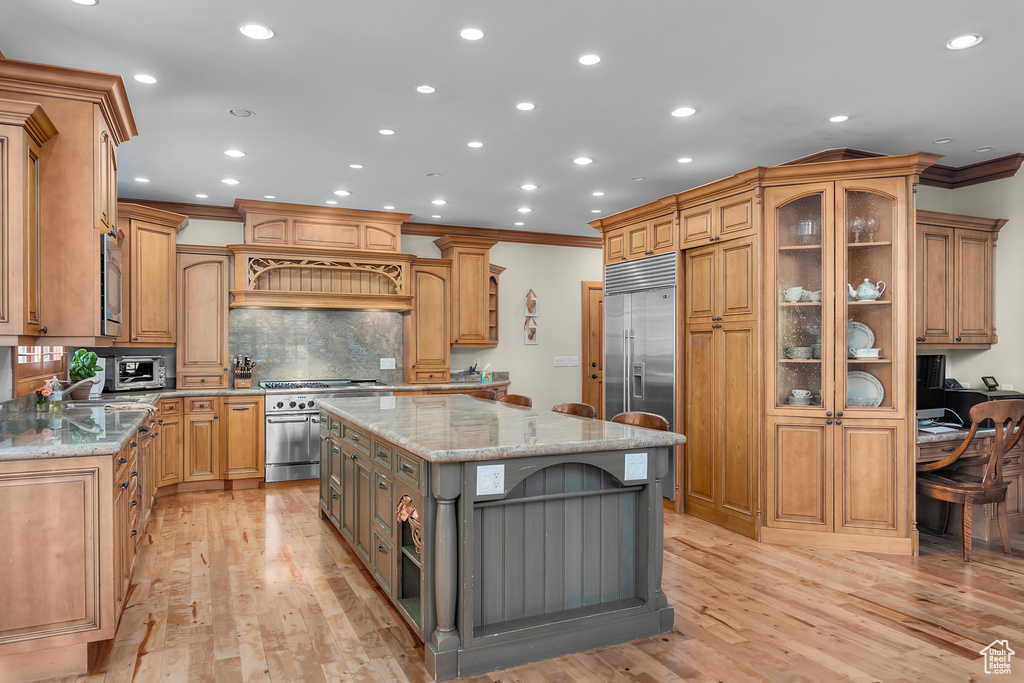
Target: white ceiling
<point>764,76</point>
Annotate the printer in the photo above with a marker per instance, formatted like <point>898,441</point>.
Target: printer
<point>960,401</point>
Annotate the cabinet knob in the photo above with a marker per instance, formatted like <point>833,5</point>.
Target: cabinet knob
<point>132,444</point>
<point>134,531</point>
<point>381,548</point>
<point>121,461</point>
<point>216,417</point>
<point>958,338</point>
<point>593,364</point>
<point>135,474</point>
<point>123,484</point>
<point>839,422</point>
<point>42,330</point>
<point>711,239</point>
<point>593,377</point>
<point>828,422</point>
<point>335,496</point>
<point>133,503</point>
<point>202,379</point>
<point>382,485</point>
<point>135,339</point>
<point>839,413</point>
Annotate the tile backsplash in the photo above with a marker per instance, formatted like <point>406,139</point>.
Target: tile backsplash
<point>298,344</point>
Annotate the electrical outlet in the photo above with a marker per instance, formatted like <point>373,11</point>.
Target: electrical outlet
<point>387,363</point>
<point>387,402</point>
<point>636,466</point>
<point>490,480</point>
<point>561,361</point>
<point>1006,387</point>
<point>965,385</point>
<point>574,361</point>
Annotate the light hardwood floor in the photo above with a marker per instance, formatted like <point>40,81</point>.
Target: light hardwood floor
<point>251,585</point>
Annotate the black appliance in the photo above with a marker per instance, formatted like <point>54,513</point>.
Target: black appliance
<point>931,392</point>
<point>961,401</point>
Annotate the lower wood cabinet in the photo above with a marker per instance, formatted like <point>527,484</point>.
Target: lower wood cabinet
<point>167,447</point>
<point>202,443</point>
<point>244,450</point>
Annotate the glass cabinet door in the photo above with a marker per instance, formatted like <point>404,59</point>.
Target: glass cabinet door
<point>867,224</point>
<point>802,224</point>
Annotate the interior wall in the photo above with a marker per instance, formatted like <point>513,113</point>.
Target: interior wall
<point>212,233</point>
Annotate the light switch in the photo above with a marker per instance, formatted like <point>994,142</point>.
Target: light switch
<point>561,361</point>
<point>574,361</point>
<point>387,363</point>
<point>636,466</point>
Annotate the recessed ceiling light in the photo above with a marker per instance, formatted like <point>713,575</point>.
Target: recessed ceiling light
<point>426,89</point>
<point>597,194</point>
<point>685,160</point>
<point>256,31</point>
<point>236,153</point>
<point>229,181</point>
<point>986,148</point>
<point>145,78</point>
<point>582,161</point>
<point>203,196</point>
<point>595,211</point>
<point>942,141</point>
<point>330,201</point>
<point>389,207</point>
<point>525,209</point>
<point>342,193</point>
<point>520,223</point>
<point>526,106</point>
<point>386,131</point>
<point>471,33</point>
<point>839,119</point>
<point>528,186</point>
<point>589,60</point>
<point>146,180</point>
<point>438,202</point>
<point>242,113</point>
<point>86,2</point>
<point>684,111</point>
<point>638,178</point>
<point>433,175</point>
<point>269,196</point>
<point>964,42</point>
<point>436,215</point>
<point>355,165</point>
<point>474,144</point>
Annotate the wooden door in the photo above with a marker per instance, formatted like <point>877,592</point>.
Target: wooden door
<point>662,234</point>
<point>202,447</point>
<point>469,308</point>
<point>695,226</point>
<point>738,419</point>
<point>974,278</point>
<point>593,350</point>
<point>153,283</point>
<point>870,477</point>
<point>936,305</point>
<point>701,425</point>
<point>244,454</point>
<point>799,476</point>
<point>702,282</point>
<point>426,343</point>
<point>202,321</point>
<point>637,240</point>
<point>615,245</point>
<point>737,291</point>
<point>167,452</point>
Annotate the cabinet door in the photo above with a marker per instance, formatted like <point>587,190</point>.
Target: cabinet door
<point>615,245</point>
<point>325,472</point>
<point>702,280</point>
<point>974,280</point>
<point>202,321</point>
<point>662,234</point>
<point>384,503</point>
<point>381,237</point>
<point>799,474</point>
<point>738,417</point>
<point>364,507</point>
<point>106,218</point>
<point>244,448</point>
<point>167,452</point>
<point>153,283</point>
<point>426,340</point>
<point>637,240</point>
<point>32,273</point>
<point>695,226</point>
<point>469,308</point>
<point>701,425</point>
<point>871,478</point>
<point>309,233</point>
<point>736,217</point>
<point>737,295</point>
<point>348,492</point>
<point>202,447</point>
<point>935,282</point>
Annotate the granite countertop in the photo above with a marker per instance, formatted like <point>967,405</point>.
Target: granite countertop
<point>157,394</point>
<point>958,435</point>
<point>457,428</point>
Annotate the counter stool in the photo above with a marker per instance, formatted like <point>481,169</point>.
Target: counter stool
<point>517,400</point>
<point>645,420</point>
<point>581,409</point>
<point>488,394</point>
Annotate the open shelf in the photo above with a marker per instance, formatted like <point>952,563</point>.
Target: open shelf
<point>800,247</point>
<point>800,360</point>
<point>411,606</point>
<point>861,245</point>
<point>410,552</point>
<point>877,361</point>
<point>799,303</point>
<point>879,302</point>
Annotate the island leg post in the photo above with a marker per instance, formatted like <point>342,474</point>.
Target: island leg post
<point>446,482</point>
<point>660,599</point>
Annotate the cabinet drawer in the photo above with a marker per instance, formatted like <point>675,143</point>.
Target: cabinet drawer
<point>383,562</point>
<point>383,456</point>
<point>438,376</point>
<point>408,467</point>
<point>356,438</point>
<point>217,381</point>
<point>335,455</point>
<point>1012,460</point>
<point>384,514</point>
<point>334,426</point>
<point>334,505</point>
<point>170,406</point>
<point>930,452</point>
<point>200,405</point>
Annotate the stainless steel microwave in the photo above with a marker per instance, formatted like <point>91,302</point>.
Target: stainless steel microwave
<point>124,373</point>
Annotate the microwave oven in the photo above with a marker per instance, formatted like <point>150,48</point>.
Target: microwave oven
<point>124,373</point>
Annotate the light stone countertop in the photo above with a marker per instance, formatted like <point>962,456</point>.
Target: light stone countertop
<point>157,394</point>
<point>458,428</point>
<point>957,436</point>
<point>73,431</point>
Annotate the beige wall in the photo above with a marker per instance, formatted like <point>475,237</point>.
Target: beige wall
<point>997,199</point>
<point>211,233</point>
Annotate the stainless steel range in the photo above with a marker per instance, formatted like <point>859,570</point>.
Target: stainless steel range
<point>293,423</point>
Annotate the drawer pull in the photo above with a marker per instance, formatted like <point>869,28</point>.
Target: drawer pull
<point>135,474</point>
<point>245,408</point>
<point>335,496</point>
<point>407,468</point>
<point>123,484</point>
<point>382,485</point>
<point>134,532</point>
<point>382,548</point>
<point>121,461</point>
<point>383,455</point>
<point>355,437</point>
<point>134,503</point>
<point>133,444</point>
<point>335,449</point>
<point>949,449</point>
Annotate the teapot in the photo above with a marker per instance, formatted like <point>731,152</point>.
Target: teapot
<point>866,291</point>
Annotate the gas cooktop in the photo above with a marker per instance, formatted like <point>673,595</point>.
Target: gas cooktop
<point>278,386</point>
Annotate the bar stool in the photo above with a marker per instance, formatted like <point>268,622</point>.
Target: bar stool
<point>645,420</point>
<point>580,409</point>
<point>517,400</point>
<point>488,394</point>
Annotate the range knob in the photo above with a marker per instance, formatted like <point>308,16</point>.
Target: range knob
<point>302,406</point>
<point>292,404</point>
<point>280,404</point>
<point>310,404</point>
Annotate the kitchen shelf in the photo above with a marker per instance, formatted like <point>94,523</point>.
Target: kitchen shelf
<point>876,361</point>
<point>800,360</point>
<point>880,302</point>
<point>801,247</point>
<point>861,245</point>
<point>800,303</point>
<point>410,552</point>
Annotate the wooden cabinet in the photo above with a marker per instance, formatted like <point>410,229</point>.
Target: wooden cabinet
<point>202,319</point>
<point>149,266</point>
<point>425,335</point>
<point>78,181</point>
<point>275,223</point>
<point>168,443</point>
<point>615,245</point>
<point>955,280</point>
<point>726,219</point>
<point>722,281</point>
<point>643,238</point>
<point>470,257</point>
<point>492,305</point>
<point>24,129</point>
<point>244,455</point>
<point>202,439</point>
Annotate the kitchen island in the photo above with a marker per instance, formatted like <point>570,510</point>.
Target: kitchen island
<point>538,533</point>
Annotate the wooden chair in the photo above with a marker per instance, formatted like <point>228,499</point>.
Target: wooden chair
<point>581,409</point>
<point>942,481</point>
<point>517,400</point>
<point>645,420</point>
<point>488,394</point>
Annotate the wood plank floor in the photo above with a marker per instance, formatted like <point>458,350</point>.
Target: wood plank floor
<point>251,585</point>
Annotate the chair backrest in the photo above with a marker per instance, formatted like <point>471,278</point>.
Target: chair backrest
<point>581,409</point>
<point>517,400</point>
<point>488,394</point>
<point>1008,417</point>
<point>645,420</point>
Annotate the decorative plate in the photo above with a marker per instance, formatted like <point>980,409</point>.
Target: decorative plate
<point>863,390</point>
<point>859,336</point>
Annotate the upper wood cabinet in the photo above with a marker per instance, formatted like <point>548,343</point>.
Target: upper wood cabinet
<point>24,128</point>
<point>78,180</point>
<point>274,223</point>
<point>722,281</point>
<point>470,257</point>
<point>202,325</point>
<point>149,269</point>
<point>425,338</point>
<point>492,304</point>
<point>643,238</point>
<point>725,219</point>
<point>955,280</point>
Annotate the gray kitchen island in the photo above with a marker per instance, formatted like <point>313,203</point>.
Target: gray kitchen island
<point>536,533</point>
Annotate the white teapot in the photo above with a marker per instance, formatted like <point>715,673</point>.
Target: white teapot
<point>866,291</point>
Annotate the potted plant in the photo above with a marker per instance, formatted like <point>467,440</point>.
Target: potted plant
<point>84,366</point>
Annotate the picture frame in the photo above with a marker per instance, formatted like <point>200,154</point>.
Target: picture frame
<point>531,332</point>
<point>532,305</point>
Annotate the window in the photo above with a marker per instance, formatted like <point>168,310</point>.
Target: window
<point>35,364</point>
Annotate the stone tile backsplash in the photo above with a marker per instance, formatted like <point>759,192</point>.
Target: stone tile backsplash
<point>297,344</point>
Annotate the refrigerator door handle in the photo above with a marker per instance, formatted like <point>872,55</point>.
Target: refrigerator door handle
<point>638,380</point>
<point>625,370</point>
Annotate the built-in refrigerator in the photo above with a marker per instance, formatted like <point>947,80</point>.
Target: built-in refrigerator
<point>640,341</point>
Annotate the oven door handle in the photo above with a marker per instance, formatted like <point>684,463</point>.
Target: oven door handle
<point>285,420</point>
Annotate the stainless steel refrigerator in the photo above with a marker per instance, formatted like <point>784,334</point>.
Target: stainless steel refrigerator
<point>640,341</point>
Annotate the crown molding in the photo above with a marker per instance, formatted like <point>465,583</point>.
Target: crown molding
<point>130,210</point>
<point>29,116</point>
<point>194,211</point>
<point>244,206</point>
<point>498,235</point>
